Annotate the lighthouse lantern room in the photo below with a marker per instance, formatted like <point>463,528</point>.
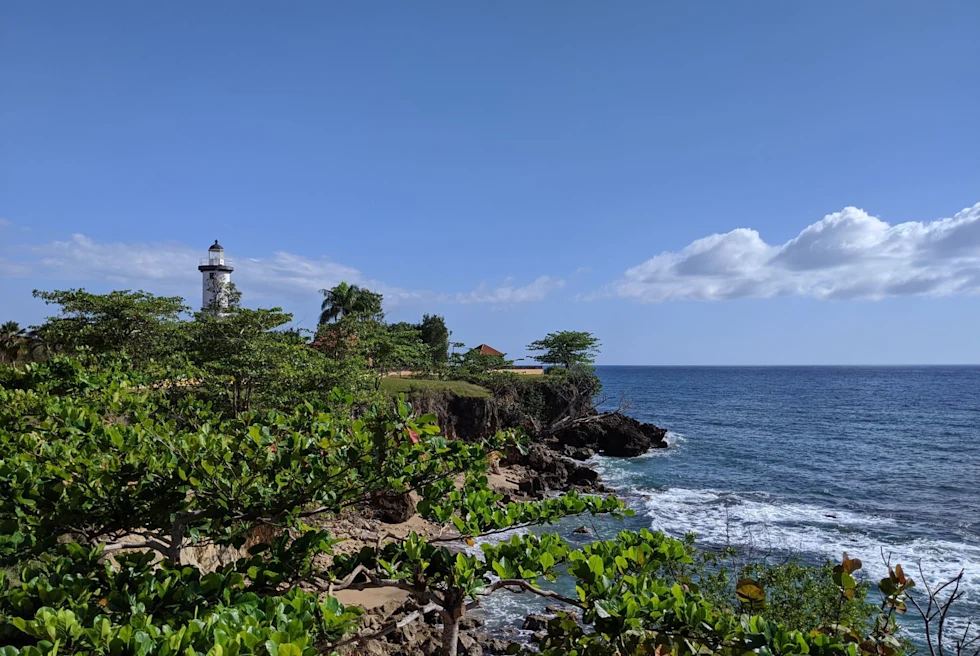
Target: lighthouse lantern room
<point>216,276</point>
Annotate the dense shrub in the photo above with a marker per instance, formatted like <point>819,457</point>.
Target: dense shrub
<point>117,456</point>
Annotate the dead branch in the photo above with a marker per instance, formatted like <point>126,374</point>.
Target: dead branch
<point>934,611</point>
<point>524,585</point>
<point>346,583</point>
<point>156,545</point>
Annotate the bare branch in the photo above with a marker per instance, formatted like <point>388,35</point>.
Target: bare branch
<point>524,585</point>
<point>346,583</point>
<point>936,612</point>
<point>156,545</point>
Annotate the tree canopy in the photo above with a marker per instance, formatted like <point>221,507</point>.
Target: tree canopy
<point>566,348</point>
<point>116,467</point>
<point>139,323</point>
<point>102,465</point>
<point>13,338</point>
<point>435,335</point>
<point>350,300</point>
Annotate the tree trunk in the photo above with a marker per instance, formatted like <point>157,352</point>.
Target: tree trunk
<point>235,387</point>
<point>176,539</point>
<point>450,635</point>
<point>248,395</point>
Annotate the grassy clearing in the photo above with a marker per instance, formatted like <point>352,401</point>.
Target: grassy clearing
<point>409,385</point>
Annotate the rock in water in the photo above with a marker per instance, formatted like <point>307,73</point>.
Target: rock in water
<point>490,644</point>
<point>535,623</point>
<point>552,471</point>
<point>614,435</point>
<point>583,476</point>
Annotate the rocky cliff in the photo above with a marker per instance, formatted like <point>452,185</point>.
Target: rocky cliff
<point>545,413</point>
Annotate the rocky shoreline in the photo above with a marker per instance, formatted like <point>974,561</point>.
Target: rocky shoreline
<point>552,464</point>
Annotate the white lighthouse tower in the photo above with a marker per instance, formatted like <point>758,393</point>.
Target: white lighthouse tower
<point>216,274</point>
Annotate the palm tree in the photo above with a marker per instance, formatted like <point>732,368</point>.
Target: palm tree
<point>346,300</point>
<point>12,340</point>
<point>36,345</point>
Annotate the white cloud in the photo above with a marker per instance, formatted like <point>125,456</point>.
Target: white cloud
<point>175,265</point>
<point>507,293</point>
<point>172,268</point>
<point>83,258</point>
<point>848,254</point>
<point>10,269</point>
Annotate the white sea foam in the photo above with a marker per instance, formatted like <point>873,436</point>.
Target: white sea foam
<point>507,610</point>
<point>496,538</point>
<point>617,476</point>
<point>769,526</point>
<point>674,440</point>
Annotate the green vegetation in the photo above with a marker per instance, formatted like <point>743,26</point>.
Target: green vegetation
<point>13,340</point>
<point>143,435</point>
<point>794,593</point>
<point>397,386</point>
<point>435,335</point>
<point>471,364</point>
<point>351,301</point>
<point>567,348</point>
<point>141,324</point>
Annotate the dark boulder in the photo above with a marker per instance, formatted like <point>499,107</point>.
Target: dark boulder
<point>394,508</point>
<point>583,476</point>
<point>471,622</point>
<point>577,452</point>
<point>491,644</point>
<point>562,610</point>
<point>552,471</point>
<point>535,623</point>
<point>613,434</point>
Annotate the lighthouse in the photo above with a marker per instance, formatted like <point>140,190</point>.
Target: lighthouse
<point>216,276</point>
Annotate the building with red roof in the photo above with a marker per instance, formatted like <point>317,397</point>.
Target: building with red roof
<point>487,350</point>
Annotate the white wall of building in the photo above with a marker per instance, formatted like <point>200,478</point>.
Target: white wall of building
<point>215,286</point>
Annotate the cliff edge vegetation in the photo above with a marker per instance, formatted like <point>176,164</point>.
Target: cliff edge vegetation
<point>141,438</point>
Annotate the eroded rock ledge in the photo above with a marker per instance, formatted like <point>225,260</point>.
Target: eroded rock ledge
<point>611,434</point>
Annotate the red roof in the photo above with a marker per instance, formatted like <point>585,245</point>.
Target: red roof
<point>487,350</point>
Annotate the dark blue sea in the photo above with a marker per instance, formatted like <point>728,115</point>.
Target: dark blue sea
<point>811,461</point>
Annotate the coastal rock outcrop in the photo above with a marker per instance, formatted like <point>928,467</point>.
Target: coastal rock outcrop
<point>535,623</point>
<point>612,434</point>
<point>550,470</point>
<point>553,462</point>
<point>470,418</point>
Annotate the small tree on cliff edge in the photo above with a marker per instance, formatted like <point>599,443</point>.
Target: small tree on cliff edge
<point>435,335</point>
<point>567,348</point>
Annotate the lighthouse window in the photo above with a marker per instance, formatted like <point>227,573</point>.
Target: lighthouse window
<point>211,275</point>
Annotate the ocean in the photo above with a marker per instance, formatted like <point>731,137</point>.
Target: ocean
<point>810,461</point>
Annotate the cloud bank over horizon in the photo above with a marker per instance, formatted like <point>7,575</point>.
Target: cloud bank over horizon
<point>849,254</point>
<point>172,266</point>
<point>846,255</point>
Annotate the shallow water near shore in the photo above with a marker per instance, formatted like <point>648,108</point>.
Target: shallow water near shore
<point>812,461</point>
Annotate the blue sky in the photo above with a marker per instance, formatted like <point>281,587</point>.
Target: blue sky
<point>656,173</point>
